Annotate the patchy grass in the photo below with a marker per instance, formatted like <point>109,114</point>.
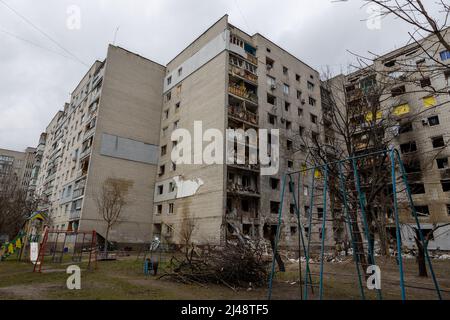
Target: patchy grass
<point>124,279</point>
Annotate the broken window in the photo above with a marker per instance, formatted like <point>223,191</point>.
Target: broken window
<point>160,189</point>
<point>390,64</point>
<point>271,82</point>
<point>293,231</point>
<point>448,209</point>
<point>274,206</point>
<point>442,163</point>
<point>163,150</point>
<point>287,106</point>
<point>168,96</point>
<point>271,118</point>
<point>301,130</point>
<point>300,112</point>
<point>319,212</point>
<point>398,91</point>
<point>408,147</point>
<point>405,127</point>
<point>274,183</point>
<point>180,71</point>
<point>169,80</point>
<point>285,70</point>
<point>289,144</point>
<point>159,209</point>
<point>422,210</point>
<point>433,121</point>
<point>312,101</point>
<point>299,94</point>
<point>269,63</point>
<point>313,118</point>
<point>310,85</point>
<point>445,185</point>
<point>245,205</point>
<point>297,77</point>
<point>166,114</point>
<point>438,142</point>
<point>417,188</point>
<point>285,89</point>
<point>292,208</point>
<point>412,166</point>
<point>162,169</point>
<point>171,206</point>
<point>290,164</point>
<point>288,125</point>
<point>246,229</point>
<point>425,82</point>
<point>177,106</point>
<point>271,99</point>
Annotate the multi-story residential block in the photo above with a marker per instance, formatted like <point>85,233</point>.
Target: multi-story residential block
<point>227,79</point>
<point>17,165</point>
<point>414,109</point>
<point>109,130</point>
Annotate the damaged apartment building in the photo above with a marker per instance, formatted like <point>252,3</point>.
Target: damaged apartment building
<point>119,123</point>
<point>416,115</point>
<point>228,79</point>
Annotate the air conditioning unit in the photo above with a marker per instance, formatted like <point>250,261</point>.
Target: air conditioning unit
<point>282,120</point>
<point>273,86</point>
<point>268,66</point>
<point>303,101</point>
<point>424,122</point>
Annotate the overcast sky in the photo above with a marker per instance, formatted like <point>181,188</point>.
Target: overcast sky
<point>36,75</point>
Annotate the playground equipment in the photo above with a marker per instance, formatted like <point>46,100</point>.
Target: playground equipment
<point>30,232</point>
<point>152,256</point>
<point>56,244</point>
<point>349,185</point>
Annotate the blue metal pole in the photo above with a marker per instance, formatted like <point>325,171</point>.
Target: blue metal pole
<point>280,210</point>
<point>350,227</point>
<point>421,238</point>
<point>311,204</point>
<point>397,225</point>
<point>363,215</point>
<point>297,209</point>
<point>324,219</point>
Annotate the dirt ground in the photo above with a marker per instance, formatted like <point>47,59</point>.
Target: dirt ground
<point>124,279</point>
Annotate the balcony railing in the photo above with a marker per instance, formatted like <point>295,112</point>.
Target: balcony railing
<point>239,188</point>
<point>78,192</point>
<point>85,153</point>
<point>245,74</point>
<point>252,58</point>
<point>75,214</point>
<point>243,93</point>
<point>89,133</point>
<point>241,113</point>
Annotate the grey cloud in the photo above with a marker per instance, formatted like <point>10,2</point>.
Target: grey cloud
<point>35,83</point>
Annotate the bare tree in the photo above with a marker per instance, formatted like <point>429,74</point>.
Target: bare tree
<point>110,203</point>
<point>188,227</point>
<point>15,205</point>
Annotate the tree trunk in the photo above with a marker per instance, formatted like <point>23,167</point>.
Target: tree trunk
<point>421,259</point>
<point>105,249</point>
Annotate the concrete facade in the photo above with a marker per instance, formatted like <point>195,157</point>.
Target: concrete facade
<point>416,107</point>
<point>18,165</point>
<point>110,129</point>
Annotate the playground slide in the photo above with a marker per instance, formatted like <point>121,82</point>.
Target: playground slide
<point>12,246</point>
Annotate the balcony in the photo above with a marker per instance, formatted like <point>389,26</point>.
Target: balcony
<point>252,58</point>
<point>242,92</point>
<point>238,188</point>
<point>239,113</point>
<point>89,133</point>
<point>85,153</point>
<point>75,214</point>
<point>243,74</point>
<point>77,193</point>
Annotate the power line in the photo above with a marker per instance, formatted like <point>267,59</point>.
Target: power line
<point>42,32</point>
<point>36,45</point>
